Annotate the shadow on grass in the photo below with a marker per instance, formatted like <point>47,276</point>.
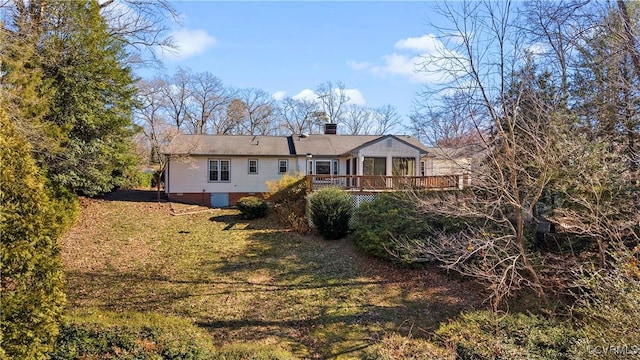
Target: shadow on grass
<point>320,298</point>
<point>238,222</point>
<point>136,195</point>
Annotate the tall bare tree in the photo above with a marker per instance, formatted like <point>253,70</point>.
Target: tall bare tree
<point>177,96</point>
<point>386,119</point>
<point>453,122</point>
<point>298,116</point>
<point>255,112</point>
<point>333,100</point>
<point>145,26</point>
<point>209,99</point>
<point>357,119</point>
<point>517,164</point>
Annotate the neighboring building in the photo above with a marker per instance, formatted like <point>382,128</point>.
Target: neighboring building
<point>217,170</point>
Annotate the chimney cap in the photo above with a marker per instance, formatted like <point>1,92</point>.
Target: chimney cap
<point>330,128</point>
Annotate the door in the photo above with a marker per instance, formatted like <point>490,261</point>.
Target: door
<point>219,200</point>
<point>374,170</point>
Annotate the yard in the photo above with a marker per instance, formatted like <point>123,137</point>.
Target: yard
<point>248,281</point>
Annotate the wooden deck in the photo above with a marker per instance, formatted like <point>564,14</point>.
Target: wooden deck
<point>386,183</point>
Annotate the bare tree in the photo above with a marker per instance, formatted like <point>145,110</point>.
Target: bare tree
<point>518,161</point>
<point>453,122</point>
<point>357,119</point>
<point>298,116</point>
<point>255,112</point>
<point>209,99</point>
<point>333,100</point>
<point>143,24</point>
<point>386,119</point>
<point>151,117</point>
<point>177,93</point>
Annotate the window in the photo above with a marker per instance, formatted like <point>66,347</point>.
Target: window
<point>335,167</point>
<point>253,166</point>
<point>422,167</point>
<point>219,170</point>
<point>283,166</point>
<point>403,166</point>
<point>323,167</point>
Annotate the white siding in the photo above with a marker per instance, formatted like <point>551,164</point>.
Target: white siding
<point>438,167</point>
<point>381,149</point>
<point>191,174</point>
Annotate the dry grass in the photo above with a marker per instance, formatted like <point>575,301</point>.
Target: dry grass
<point>248,281</point>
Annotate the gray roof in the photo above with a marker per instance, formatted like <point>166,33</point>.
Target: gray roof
<point>318,145</point>
<point>228,145</point>
<point>330,145</point>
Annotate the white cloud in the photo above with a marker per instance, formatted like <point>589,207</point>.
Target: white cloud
<point>189,43</point>
<point>306,94</point>
<point>359,65</point>
<point>428,44</point>
<point>538,48</point>
<point>419,59</point>
<point>278,95</point>
<point>355,96</point>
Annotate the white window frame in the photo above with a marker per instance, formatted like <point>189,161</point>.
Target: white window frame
<point>218,170</point>
<point>249,167</point>
<point>286,166</point>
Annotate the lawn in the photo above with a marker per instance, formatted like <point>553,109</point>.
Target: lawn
<point>248,281</point>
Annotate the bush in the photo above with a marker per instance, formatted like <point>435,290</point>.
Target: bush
<point>252,207</point>
<point>608,308</point>
<point>486,335</point>
<point>388,216</point>
<point>330,211</point>
<point>288,195</point>
<point>106,335</point>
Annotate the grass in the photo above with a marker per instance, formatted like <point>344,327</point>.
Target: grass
<point>248,281</point>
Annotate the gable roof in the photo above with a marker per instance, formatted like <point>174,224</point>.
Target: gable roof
<point>406,139</point>
<point>226,145</point>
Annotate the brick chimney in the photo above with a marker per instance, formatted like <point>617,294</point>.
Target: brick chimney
<point>330,129</point>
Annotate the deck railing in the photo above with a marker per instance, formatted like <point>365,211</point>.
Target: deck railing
<point>385,183</point>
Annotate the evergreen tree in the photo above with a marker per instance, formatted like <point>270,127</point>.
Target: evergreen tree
<point>31,289</point>
<point>93,99</point>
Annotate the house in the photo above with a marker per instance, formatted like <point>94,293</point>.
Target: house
<point>217,170</point>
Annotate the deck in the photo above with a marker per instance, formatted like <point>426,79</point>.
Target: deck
<point>376,183</point>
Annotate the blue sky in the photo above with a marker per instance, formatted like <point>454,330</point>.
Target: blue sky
<point>289,48</point>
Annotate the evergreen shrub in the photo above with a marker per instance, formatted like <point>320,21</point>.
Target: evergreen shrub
<point>487,335</point>
<point>388,217</point>
<point>252,207</point>
<point>330,210</point>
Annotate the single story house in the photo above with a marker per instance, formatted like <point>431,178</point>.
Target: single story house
<point>217,170</point>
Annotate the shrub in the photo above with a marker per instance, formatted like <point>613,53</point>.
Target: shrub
<point>387,217</point>
<point>107,335</point>
<point>608,308</point>
<point>252,207</point>
<point>486,335</point>
<point>288,195</point>
<point>32,297</point>
<point>330,211</point>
